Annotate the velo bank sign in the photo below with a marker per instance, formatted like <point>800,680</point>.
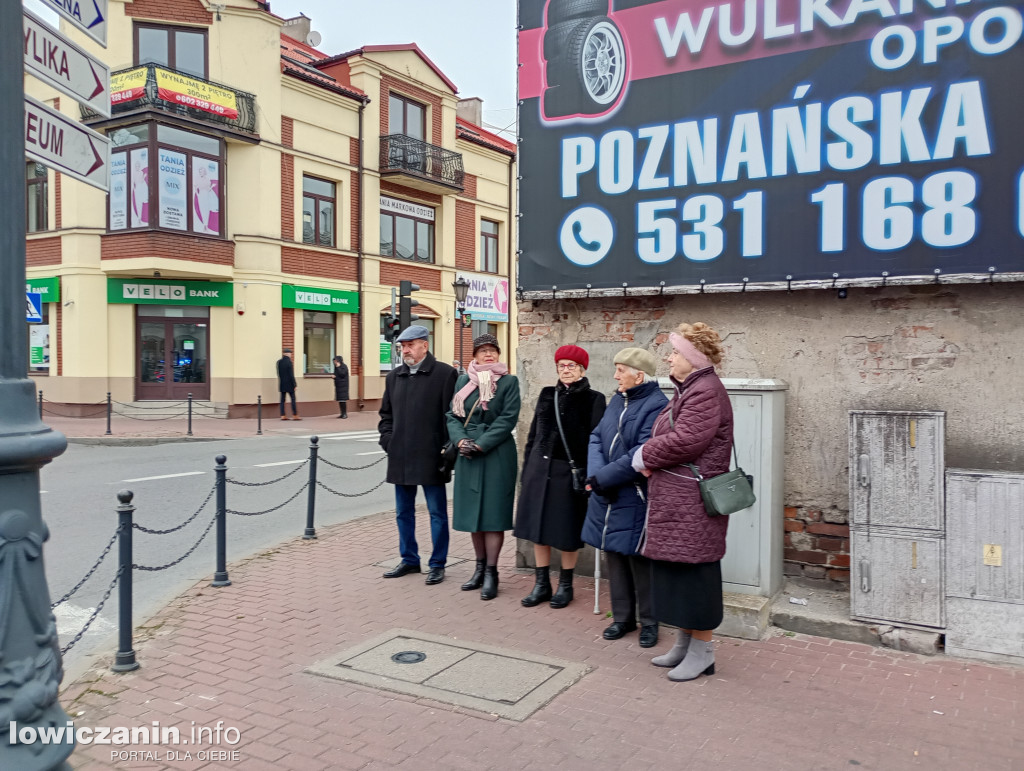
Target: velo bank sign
<point>133,291</point>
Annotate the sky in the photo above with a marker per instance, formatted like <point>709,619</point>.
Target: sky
<point>473,42</point>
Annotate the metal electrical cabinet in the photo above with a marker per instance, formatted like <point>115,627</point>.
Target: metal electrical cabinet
<point>897,500</point>
<point>985,552</point>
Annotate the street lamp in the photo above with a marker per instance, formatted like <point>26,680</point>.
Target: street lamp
<point>461,287</point>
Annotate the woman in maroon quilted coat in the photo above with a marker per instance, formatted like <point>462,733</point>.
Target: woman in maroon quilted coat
<point>684,543</point>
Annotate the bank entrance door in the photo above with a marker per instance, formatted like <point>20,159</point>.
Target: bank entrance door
<point>173,353</point>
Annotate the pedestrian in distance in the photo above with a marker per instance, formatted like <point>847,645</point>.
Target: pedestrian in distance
<point>618,493</point>
<point>484,412</point>
<point>286,383</point>
<point>341,385</point>
<point>684,543</point>
<point>412,431</point>
<point>551,511</point>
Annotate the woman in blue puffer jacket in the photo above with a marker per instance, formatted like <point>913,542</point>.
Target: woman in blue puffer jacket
<point>618,500</point>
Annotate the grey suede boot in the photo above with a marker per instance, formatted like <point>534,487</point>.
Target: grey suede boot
<point>700,660</point>
<point>676,653</point>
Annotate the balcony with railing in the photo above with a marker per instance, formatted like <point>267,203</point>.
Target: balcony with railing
<point>159,88</point>
<point>420,165</point>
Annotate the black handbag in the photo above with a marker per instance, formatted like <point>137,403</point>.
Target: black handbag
<point>450,450</point>
<point>579,475</point>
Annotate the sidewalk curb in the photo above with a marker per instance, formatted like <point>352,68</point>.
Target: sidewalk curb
<point>143,441</point>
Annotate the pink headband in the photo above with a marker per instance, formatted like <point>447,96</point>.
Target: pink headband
<point>687,350</point>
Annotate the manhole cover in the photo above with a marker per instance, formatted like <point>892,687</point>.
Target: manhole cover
<point>409,657</point>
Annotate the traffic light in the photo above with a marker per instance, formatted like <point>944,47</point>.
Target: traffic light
<point>391,329</point>
<point>405,304</point>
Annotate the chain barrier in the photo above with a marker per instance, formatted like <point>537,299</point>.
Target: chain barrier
<point>95,613</point>
<point>149,569</point>
<point>271,482</point>
<point>92,570</point>
<point>140,528</point>
<point>154,407</point>
<point>352,468</point>
<point>268,511</point>
<point>48,411</point>
<point>136,417</point>
<point>349,495</point>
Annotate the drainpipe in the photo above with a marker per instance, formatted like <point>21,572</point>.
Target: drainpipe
<point>359,252</point>
<point>512,222</point>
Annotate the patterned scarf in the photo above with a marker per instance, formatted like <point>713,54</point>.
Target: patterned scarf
<point>482,376</point>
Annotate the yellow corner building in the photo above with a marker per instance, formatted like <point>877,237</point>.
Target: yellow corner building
<point>263,195</point>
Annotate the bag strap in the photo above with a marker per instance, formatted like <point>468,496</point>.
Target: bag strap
<point>561,433</point>
<point>471,409</point>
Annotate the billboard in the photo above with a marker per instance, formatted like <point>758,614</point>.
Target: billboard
<point>683,142</point>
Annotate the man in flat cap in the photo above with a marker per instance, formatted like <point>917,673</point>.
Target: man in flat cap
<point>417,394</point>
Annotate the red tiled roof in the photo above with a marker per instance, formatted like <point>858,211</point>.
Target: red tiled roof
<point>473,133</point>
<point>396,47</point>
<point>298,60</point>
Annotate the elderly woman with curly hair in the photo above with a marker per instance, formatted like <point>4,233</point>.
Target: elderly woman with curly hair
<point>686,545</point>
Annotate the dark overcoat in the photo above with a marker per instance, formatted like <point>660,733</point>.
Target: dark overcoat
<point>341,382</point>
<point>285,375</point>
<point>412,425</point>
<point>485,485</point>
<point>696,427</point>
<point>614,523</point>
<point>549,512</point>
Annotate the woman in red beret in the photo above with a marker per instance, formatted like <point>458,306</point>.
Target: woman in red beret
<point>551,509</point>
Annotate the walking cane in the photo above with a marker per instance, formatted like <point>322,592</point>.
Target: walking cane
<point>597,581</point>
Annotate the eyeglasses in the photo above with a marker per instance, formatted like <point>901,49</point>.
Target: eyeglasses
<point>570,365</point>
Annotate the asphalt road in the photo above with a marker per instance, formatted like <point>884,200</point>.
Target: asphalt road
<point>170,482</point>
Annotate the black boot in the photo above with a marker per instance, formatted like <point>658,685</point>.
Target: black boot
<point>541,588</point>
<point>477,579</point>
<point>344,410</point>
<point>564,594</point>
<point>490,587</point>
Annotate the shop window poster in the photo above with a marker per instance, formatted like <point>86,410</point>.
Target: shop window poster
<point>206,196</point>
<point>39,345</point>
<point>140,187</point>
<point>118,191</point>
<point>173,184</point>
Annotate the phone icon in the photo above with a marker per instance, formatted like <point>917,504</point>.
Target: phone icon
<point>577,233</point>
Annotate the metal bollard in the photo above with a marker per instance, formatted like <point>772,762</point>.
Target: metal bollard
<point>259,415</point>
<point>311,498</point>
<point>108,413</point>
<point>189,415</point>
<point>220,578</point>
<point>40,405</point>
<point>124,659</point>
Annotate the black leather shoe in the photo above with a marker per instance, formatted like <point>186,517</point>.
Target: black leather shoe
<point>402,569</point>
<point>490,588</point>
<point>619,629</point>
<point>436,576</point>
<point>541,588</point>
<point>648,635</point>
<point>477,579</point>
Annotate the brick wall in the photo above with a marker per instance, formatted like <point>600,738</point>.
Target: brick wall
<point>354,211</point>
<point>287,197</point>
<point>287,131</point>
<point>172,246</point>
<point>58,218</point>
<point>310,262</point>
<point>388,83</point>
<point>184,11</point>
<point>60,335</point>
<point>391,273</point>
<point>469,185</point>
<point>42,251</point>
<point>288,328</point>
<point>355,364</point>
<point>465,235</point>
<point>817,544</point>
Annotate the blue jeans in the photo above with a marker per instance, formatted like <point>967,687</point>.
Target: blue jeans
<point>437,505</point>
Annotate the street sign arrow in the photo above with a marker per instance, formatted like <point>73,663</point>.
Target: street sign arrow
<point>66,146</point>
<point>90,16</point>
<point>65,66</point>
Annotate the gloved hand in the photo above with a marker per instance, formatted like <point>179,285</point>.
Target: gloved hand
<point>610,494</point>
<point>466,448</point>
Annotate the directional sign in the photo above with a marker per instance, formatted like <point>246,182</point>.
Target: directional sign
<point>65,66</point>
<point>66,146</point>
<point>90,16</point>
<point>34,311</point>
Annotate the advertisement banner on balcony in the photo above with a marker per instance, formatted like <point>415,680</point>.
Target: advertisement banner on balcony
<point>487,298</point>
<point>173,192</point>
<point>128,86</point>
<point>198,94</point>
<point>691,142</point>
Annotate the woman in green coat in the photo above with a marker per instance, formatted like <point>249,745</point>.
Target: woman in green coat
<point>484,412</point>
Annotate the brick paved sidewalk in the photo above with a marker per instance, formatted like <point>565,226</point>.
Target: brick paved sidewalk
<point>237,654</point>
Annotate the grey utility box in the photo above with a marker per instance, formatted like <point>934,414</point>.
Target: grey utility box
<point>985,557</point>
<point>753,554</point>
<point>897,502</point>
